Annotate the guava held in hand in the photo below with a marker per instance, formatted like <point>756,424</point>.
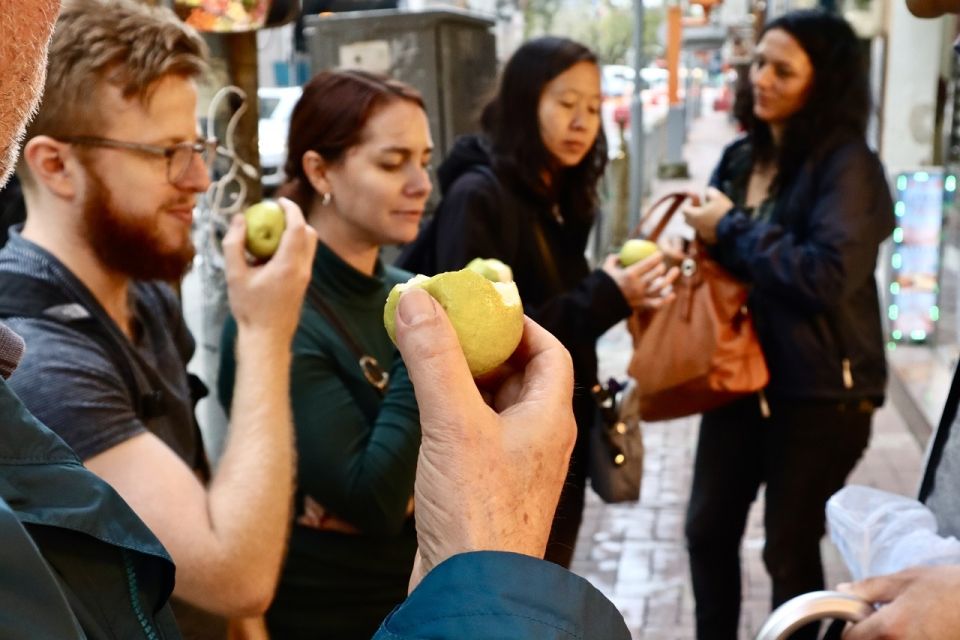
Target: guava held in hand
<point>492,269</point>
<point>635,250</point>
<point>487,316</point>
<point>265,224</point>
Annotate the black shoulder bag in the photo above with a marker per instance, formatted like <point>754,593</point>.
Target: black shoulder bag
<point>615,463</point>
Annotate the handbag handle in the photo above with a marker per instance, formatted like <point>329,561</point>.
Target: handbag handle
<point>372,371</point>
<point>676,199</point>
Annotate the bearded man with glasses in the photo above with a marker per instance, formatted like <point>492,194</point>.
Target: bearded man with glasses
<point>111,168</point>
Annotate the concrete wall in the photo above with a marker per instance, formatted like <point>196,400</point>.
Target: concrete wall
<point>912,68</point>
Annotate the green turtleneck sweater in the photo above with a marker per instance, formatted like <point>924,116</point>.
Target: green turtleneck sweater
<point>357,456</point>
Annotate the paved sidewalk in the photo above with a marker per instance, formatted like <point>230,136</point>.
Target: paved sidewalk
<point>635,554</point>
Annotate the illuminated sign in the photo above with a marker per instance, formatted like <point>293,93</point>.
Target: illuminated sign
<point>914,265</point>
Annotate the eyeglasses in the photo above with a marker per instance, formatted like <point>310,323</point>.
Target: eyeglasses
<point>179,156</point>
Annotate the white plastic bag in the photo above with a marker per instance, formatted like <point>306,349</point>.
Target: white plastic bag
<point>879,532</point>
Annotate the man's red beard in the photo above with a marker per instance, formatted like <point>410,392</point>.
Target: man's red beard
<point>129,245</point>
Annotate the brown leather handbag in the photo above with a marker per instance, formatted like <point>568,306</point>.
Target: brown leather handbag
<point>701,351</point>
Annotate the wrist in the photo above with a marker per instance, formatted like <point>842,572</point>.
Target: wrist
<point>506,531</point>
<point>263,344</point>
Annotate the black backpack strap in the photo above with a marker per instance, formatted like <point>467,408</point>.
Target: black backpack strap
<point>198,389</point>
<point>940,436</point>
<point>23,296</point>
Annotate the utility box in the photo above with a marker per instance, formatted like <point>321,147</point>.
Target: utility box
<point>446,54</point>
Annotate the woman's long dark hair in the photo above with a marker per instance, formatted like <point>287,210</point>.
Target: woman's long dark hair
<point>838,104</point>
<point>511,123</point>
<point>330,117</point>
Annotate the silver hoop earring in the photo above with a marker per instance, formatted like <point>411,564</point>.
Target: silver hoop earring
<point>326,199</point>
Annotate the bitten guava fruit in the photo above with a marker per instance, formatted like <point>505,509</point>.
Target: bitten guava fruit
<point>487,316</point>
<point>492,269</point>
<point>265,224</point>
<point>635,250</point>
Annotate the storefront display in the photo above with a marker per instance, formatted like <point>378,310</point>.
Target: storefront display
<point>915,260</point>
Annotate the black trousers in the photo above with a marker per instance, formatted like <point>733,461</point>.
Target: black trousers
<point>803,453</point>
<point>569,514</point>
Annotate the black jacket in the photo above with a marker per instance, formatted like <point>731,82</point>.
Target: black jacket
<point>814,295</point>
<point>488,215</point>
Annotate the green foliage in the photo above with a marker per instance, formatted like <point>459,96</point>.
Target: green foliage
<point>606,26</point>
<point>538,17</point>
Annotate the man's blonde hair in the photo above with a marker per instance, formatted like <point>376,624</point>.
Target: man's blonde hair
<point>117,42</point>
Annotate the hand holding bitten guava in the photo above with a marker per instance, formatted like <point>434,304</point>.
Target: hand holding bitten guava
<point>488,477</point>
<point>486,314</point>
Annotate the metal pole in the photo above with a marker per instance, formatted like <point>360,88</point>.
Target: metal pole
<point>637,131</point>
<point>241,55</point>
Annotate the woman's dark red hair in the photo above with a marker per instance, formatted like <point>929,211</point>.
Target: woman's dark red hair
<point>330,118</point>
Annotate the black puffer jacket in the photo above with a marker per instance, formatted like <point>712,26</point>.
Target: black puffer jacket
<point>490,216</point>
<point>814,297</point>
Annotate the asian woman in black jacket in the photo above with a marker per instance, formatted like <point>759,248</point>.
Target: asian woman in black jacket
<point>525,192</point>
<point>797,208</point>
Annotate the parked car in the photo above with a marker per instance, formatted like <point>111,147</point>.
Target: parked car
<point>276,105</point>
<point>616,83</point>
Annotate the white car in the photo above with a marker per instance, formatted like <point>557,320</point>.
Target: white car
<point>276,105</point>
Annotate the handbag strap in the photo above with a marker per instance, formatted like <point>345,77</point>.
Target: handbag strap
<point>676,199</point>
<point>372,371</point>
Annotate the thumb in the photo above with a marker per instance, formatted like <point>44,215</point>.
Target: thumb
<point>417,575</point>
<point>431,351</point>
<point>879,589</point>
<point>713,193</point>
<point>233,243</point>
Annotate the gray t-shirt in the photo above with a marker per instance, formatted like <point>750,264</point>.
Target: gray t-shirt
<point>70,382</point>
<point>943,497</point>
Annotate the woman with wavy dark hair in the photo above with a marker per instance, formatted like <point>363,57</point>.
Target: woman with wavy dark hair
<point>525,192</point>
<point>797,208</point>
<point>359,146</point>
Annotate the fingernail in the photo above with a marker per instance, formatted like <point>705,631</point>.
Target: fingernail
<point>416,306</point>
<point>237,219</point>
<point>844,586</point>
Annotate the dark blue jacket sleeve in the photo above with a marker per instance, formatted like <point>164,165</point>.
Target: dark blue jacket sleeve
<point>849,215</point>
<point>506,596</point>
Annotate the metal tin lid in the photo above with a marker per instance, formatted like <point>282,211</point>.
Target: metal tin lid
<point>810,607</point>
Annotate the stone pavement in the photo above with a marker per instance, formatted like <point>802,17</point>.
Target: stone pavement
<point>635,554</point>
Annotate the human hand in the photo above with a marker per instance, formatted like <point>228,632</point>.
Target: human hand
<point>647,284</point>
<point>269,296</point>
<point>704,218</point>
<point>920,603</point>
<point>488,476</point>
<point>672,248</point>
<point>932,8</point>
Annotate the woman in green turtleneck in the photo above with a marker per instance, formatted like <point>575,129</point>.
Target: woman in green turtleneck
<point>359,147</point>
